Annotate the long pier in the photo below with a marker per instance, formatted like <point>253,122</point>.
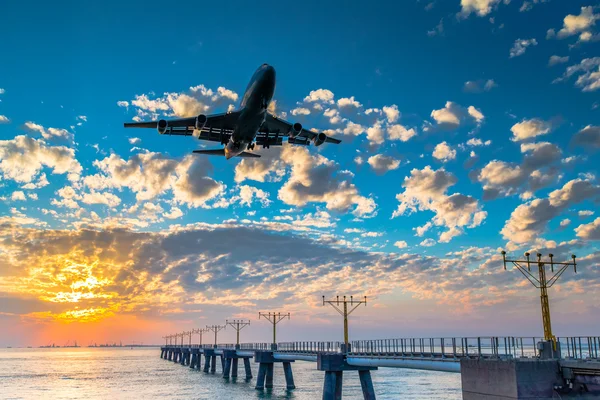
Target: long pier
<point>575,369</point>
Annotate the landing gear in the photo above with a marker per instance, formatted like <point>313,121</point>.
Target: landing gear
<point>251,146</point>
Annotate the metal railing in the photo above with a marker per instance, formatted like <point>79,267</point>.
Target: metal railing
<point>579,347</point>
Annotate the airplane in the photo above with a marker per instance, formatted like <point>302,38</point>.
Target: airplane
<point>241,130</point>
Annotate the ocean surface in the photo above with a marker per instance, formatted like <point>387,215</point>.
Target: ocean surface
<point>140,373</point>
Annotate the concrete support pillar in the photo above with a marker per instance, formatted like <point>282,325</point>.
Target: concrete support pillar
<point>193,361</point>
<point>289,376</point>
<point>334,366</point>
<point>182,358</point>
<point>222,362</point>
<point>199,361</point>
<point>260,381</point>
<point>213,367</point>
<point>247,368</point>
<point>269,377</point>
<point>329,386</point>
<point>206,363</point>
<point>366,383</point>
<point>227,368</point>
<point>234,367</point>
<point>339,381</point>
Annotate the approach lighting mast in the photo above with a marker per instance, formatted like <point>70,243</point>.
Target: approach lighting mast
<point>216,329</point>
<point>274,318</point>
<point>199,332</point>
<point>345,312</point>
<point>238,325</point>
<point>542,283</point>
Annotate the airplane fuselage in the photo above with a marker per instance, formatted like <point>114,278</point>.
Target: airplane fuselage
<point>253,110</point>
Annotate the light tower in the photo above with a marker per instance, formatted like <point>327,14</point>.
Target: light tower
<point>345,312</point>
<point>216,329</point>
<point>274,318</point>
<point>199,332</point>
<point>238,325</point>
<point>549,348</point>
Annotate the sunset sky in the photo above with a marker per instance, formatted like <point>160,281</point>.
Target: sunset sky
<point>468,127</point>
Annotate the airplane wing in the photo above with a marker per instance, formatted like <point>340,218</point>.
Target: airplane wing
<point>279,127</point>
<point>217,128</point>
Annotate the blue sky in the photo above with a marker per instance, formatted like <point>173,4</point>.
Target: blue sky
<point>475,122</point>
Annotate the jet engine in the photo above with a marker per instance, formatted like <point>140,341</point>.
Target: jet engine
<point>295,130</point>
<point>320,139</point>
<point>162,126</point>
<point>201,121</point>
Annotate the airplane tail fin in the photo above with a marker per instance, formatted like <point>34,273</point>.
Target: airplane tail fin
<point>221,152</point>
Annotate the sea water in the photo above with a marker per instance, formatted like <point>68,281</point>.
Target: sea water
<point>140,373</point>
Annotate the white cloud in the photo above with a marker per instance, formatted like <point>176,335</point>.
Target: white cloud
<point>333,115</point>
<point>425,190</point>
<point>534,172</point>
<point>474,142</point>
<point>18,196</point>
<point>134,140</point>
<point>445,115</point>
<point>348,102</point>
<point>480,7</point>
<point>250,193</point>
<point>585,213</point>
<point>353,129</point>
<point>105,198</point>
<point>300,111</point>
<point>444,152</point>
<point>554,60</point>
<point>427,243</point>
<point>123,103</point>
<point>531,128</point>
<point>391,113</point>
<point>399,132</point>
<point>4,119</point>
<point>528,221</point>
<point>520,46</point>
<point>401,244</point>
<point>267,168</point>
<point>149,175</point>
<point>475,113</point>
<point>453,115</point>
<point>582,23</point>
<point>382,164</point>
<point>315,178</point>
<point>199,99</point>
<point>322,95</point>
<point>50,133</point>
<point>174,213</point>
<point>565,222</point>
<point>588,71</point>
<point>376,133</point>
<point>23,158</point>
<point>589,231</point>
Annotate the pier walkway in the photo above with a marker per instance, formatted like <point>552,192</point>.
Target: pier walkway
<point>579,361</point>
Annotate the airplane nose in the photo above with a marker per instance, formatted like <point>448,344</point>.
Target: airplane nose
<point>269,72</point>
